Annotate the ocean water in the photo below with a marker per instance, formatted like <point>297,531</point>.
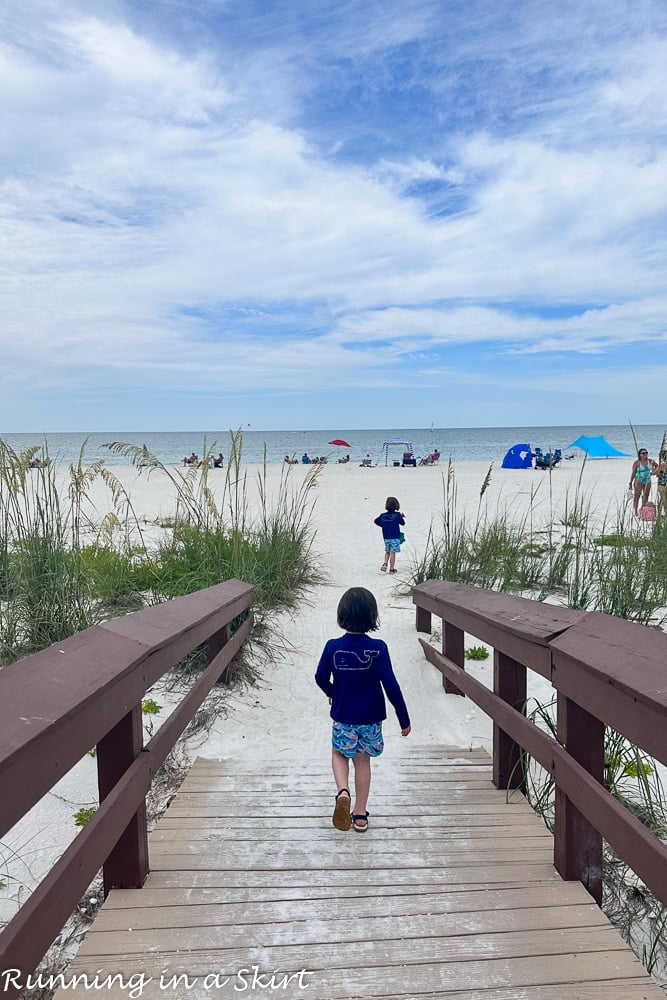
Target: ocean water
<point>487,444</point>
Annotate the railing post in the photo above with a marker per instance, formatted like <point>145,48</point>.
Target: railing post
<point>127,865</point>
<point>453,648</point>
<point>577,844</point>
<point>509,683</point>
<point>423,620</point>
<point>215,644</point>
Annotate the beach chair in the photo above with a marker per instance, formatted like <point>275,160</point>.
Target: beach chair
<point>409,459</point>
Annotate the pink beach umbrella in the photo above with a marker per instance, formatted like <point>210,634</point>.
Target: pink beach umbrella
<point>340,443</point>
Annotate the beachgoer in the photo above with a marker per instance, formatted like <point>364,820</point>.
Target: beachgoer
<point>640,478</point>
<point>219,461</point>
<point>435,456</point>
<point>662,477</point>
<point>192,460</point>
<point>353,672</point>
<point>390,521</point>
<point>305,458</point>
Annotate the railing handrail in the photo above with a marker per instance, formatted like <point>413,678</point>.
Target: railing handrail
<point>606,672</point>
<point>87,691</point>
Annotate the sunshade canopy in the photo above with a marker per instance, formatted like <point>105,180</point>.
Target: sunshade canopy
<point>407,445</point>
<point>597,446</point>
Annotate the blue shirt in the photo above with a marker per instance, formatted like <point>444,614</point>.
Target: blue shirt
<point>390,522</point>
<point>354,671</point>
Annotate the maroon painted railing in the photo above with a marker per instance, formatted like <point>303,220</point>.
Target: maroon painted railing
<point>605,672</point>
<point>86,692</point>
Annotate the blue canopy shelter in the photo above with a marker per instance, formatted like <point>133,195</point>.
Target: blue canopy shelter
<point>519,456</point>
<point>597,446</point>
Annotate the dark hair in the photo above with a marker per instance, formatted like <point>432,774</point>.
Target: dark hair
<point>392,504</point>
<point>358,611</point>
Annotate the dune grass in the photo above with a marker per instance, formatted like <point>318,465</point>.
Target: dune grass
<point>64,568</point>
<point>568,556</point>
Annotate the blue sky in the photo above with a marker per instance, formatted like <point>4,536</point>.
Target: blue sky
<point>216,213</point>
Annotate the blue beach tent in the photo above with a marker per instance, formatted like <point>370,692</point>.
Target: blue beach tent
<point>519,456</point>
<point>597,446</point>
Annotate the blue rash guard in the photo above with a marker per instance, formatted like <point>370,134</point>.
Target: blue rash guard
<point>390,522</point>
<point>353,671</point>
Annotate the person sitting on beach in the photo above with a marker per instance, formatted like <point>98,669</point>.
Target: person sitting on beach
<point>368,461</point>
<point>306,458</point>
<point>640,478</point>
<point>219,461</point>
<point>342,461</point>
<point>192,460</point>
<point>434,456</point>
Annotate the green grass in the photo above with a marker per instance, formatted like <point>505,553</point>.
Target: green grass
<point>566,556</point>
<point>477,653</point>
<point>62,568</point>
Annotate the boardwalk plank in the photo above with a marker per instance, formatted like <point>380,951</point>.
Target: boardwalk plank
<point>462,898</point>
<point>293,920</point>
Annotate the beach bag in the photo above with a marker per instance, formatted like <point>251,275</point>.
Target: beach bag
<point>401,538</point>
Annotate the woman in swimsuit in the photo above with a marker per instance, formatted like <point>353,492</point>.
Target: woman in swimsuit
<point>662,477</point>
<point>640,477</point>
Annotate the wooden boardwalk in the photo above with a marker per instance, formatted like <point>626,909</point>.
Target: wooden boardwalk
<point>450,894</point>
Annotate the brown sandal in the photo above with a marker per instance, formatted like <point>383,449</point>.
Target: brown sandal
<point>341,818</point>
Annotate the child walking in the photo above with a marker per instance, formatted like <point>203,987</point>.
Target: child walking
<point>353,672</point>
<point>391,521</point>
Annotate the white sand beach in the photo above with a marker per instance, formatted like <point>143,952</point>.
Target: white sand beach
<point>286,716</point>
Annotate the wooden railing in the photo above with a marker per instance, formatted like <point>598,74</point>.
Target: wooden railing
<point>605,672</point>
<point>87,691</point>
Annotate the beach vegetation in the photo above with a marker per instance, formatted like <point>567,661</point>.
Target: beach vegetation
<point>64,567</point>
<point>477,653</point>
<point>573,556</point>
<point>84,815</point>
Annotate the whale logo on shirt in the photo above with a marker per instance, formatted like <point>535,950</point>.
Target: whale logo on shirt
<point>347,659</point>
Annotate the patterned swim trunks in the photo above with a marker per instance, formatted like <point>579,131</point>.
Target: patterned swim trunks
<point>350,740</point>
<point>392,545</point>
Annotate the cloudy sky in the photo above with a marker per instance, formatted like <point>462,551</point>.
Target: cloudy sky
<point>354,214</point>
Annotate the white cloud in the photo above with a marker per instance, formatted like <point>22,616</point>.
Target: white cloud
<point>146,189</point>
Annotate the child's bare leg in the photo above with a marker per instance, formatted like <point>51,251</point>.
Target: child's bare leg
<point>362,782</point>
<point>341,769</point>
<point>392,560</point>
